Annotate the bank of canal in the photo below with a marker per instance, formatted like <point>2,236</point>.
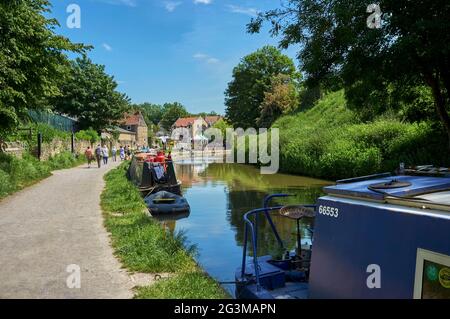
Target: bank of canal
<point>219,195</point>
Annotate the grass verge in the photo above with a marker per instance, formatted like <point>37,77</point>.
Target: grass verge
<point>18,173</point>
<point>142,245</point>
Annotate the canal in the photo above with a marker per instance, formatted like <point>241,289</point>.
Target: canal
<point>219,195</point>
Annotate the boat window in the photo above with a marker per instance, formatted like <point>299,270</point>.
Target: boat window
<point>432,280</point>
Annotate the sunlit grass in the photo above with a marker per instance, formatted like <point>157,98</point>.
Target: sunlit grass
<point>143,245</point>
<point>186,285</point>
<point>18,173</point>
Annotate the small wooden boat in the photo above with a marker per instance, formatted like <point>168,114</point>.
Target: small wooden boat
<point>164,203</point>
<point>152,174</point>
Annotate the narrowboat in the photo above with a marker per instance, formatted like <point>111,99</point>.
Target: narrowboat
<point>374,237</point>
<point>153,173</point>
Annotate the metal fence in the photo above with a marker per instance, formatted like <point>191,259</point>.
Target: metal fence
<point>57,121</point>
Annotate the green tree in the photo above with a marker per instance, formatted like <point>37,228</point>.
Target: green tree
<point>90,95</point>
<point>172,111</point>
<point>251,78</point>
<point>152,113</point>
<point>282,98</point>
<point>32,59</point>
<point>222,125</point>
<point>377,67</point>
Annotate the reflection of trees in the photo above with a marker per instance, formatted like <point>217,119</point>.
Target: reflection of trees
<point>241,201</point>
<point>247,189</point>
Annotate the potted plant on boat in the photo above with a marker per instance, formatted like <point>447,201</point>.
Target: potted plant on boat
<point>280,258</point>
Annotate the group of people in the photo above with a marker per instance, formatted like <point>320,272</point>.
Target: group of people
<point>101,153</point>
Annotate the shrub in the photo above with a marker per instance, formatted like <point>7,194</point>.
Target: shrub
<point>88,135</point>
<point>6,185</point>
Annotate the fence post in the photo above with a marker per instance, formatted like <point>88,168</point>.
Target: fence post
<point>39,140</point>
<point>72,146</point>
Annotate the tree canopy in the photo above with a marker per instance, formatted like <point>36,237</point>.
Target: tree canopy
<point>172,111</point>
<point>251,78</point>
<point>153,113</point>
<point>90,95</point>
<point>378,67</point>
<point>33,59</point>
<point>281,98</point>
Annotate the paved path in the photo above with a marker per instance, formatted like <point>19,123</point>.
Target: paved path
<point>53,224</point>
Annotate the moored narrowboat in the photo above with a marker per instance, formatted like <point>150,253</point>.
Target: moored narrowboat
<point>153,173</point>
<point>379,236</point>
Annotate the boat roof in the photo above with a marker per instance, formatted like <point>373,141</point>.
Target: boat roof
<point>436,188</point>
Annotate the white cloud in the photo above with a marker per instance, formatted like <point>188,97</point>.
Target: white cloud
<point>205,58</point>
<point>107,47</point>
<point>212,61</point>
<point>200,56</point>
<point>171,5</point>
<point>243,10</point>
<point>202,1</point>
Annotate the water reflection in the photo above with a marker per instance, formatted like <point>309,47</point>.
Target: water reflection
<point>220,194</point>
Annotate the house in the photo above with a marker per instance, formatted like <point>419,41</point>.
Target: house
<point>134,124</point>
<point>196,125</point>
<point>212,119</point>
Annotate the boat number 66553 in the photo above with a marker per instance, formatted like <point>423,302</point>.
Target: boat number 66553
<point>329,211</point>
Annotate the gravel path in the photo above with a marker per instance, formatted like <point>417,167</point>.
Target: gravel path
<point>51,225</point>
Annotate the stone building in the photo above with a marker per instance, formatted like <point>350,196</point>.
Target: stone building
<point>134,123</point>
<point>195,126</point>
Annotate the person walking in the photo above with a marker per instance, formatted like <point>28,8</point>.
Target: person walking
<point>114,153</point>
<point>128,153</point>
<point>105,153</point>
<point>122,153</point>
<point>98,155</point>
<point>89,156</point>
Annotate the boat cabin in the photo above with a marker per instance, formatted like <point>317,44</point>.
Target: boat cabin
<point>152,173</point>
<point>378,236</point>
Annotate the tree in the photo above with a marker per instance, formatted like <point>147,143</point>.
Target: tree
<point>172,111</point>
<point>251,78</point>
<point>90,95</point>
<point>377,67</point>
<point>282,98</point>
<point>222,125</point>
<point>33,59</point>
<point>205,114</point>
<point>152,113</point>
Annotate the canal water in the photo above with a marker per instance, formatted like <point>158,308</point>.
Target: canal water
<point>219,195</point>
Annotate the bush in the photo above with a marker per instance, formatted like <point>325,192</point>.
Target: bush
<point>88,135</point>
<point>6,185</point>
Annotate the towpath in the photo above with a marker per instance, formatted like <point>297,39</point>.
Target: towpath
<point>51,225</point>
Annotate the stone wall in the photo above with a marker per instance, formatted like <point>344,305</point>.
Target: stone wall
<point>56,146</point>
<point>13,148</point>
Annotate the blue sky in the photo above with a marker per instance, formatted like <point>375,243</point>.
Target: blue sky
<point>165,51</point>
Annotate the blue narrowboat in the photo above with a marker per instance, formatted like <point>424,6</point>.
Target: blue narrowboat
<point>379,236</point>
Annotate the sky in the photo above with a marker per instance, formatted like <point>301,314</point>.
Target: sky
<point>169,50</point>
